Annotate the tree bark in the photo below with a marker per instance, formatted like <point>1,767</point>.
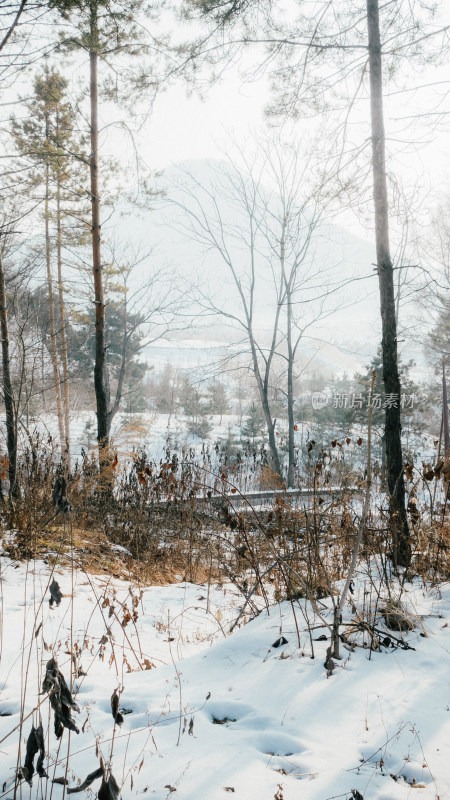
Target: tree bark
<point>10,411</point>
<point>100,382</point>
<point>62,324</point>
<point>290,366</point>
<point>445,424</point>
<point>290,410</point>
<point>53,348</point>
<point>122,370</point>
<point>263,393</point>
<point>397,512</point>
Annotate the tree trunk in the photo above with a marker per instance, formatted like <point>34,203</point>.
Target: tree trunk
<point>62,325</point>
<point>270,425</point>
<point>100,382</point>
<point>122,370</point>
<point>53,348</point>
<point>291,423</point>
<point>11,417</point>
<point>290,396</point>
<point>445,424</point>
<point>397,513</point>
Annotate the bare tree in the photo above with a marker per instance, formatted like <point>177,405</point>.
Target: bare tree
<point>268,286</point>
<point>293,233</point>
<point>321,59</point>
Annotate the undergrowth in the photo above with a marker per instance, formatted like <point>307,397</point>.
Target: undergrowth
<point>178,521</point>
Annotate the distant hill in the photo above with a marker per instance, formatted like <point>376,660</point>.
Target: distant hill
<point>343,340</point>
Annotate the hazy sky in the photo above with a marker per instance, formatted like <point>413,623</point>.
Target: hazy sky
<point>184,127</point>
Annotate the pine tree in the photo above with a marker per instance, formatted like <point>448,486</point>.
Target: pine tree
<point>216,398</point>
<point>46,144</point>
<point>254,424</point>
<point>105,29</point>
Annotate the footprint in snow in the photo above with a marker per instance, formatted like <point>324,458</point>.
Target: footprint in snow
<point>275,743</point>
<point>227,711</point>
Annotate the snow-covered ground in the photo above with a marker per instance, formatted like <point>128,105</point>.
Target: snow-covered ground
<point>208,713</point>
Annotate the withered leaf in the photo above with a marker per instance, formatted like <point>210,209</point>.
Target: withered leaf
<point>413,510</point>
<point>118,718</point>
<point>141,478</point>
<point>59,496</point>
<point>191,727</point>
<point>438,469</point>
<point>55,594</point>
<point>35,744</point>
<point>97,773</point>
<point>60,698</point>
<point>409,471</point>
<point>428,472</point>
<point>280,642</point>
<point>109,790</point>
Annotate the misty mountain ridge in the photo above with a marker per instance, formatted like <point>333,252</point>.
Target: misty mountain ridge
<point>344,324</point>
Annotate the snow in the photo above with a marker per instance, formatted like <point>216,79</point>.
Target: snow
<point>221,714</point>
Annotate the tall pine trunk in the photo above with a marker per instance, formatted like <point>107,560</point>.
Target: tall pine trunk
<point>62,324</point>
<point>10,411</point>
<point>100,377</point>
<point>53,347</point>
<point>445,424</point>
<point>398,522</point>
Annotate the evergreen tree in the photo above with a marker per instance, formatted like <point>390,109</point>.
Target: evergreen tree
<point>254,424</point>
<point>107,30</point>
<point>217,399</point>
<point>190,399</point>
<point>124,343</point>
<point>48,150</point>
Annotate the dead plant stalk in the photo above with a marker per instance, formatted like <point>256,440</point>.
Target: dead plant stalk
<point>362,522</point>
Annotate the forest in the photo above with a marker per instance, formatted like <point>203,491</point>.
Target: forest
<point>224,414</point>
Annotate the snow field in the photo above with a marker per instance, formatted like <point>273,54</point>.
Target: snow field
<point>273,726</point>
